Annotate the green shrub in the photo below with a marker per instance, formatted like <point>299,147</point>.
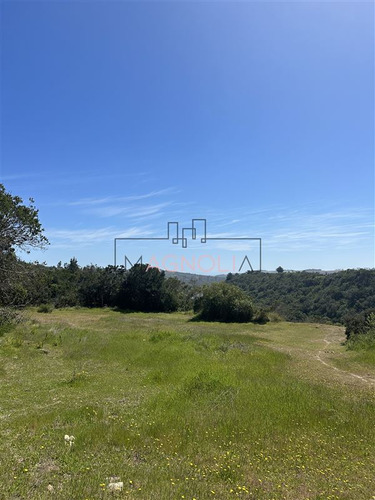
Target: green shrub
<point>275,317</point>
<point>360,330</point>
<point>362,341</point>
<point>223,302</point>
<point>261,317</point>
<point>359,324</point>
<point>45,308</point>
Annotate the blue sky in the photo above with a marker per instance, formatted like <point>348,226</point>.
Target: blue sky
<point>258,116</point>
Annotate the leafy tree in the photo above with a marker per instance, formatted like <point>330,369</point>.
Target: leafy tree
<point>19,224</point>
<point>280,269</point>
<point>99,287</point>
<point>73,265</point>
<point>20,229</point>
<point>172,294</point>
<point>142,288</point>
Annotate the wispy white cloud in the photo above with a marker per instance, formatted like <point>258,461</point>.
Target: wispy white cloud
<point>85,237</point>
<point>300,230</point>
<point>128,211</point>
<point>134,206</point>
<point>121,199</point>
<point>307,228</point>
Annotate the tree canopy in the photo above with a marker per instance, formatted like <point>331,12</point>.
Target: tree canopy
<point>20,229</point>
<point>19,224</point>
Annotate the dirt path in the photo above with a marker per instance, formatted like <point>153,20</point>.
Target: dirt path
<point>333,339</point>
<point>316,350</point>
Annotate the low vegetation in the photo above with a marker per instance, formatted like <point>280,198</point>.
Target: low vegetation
<point>177,409</point>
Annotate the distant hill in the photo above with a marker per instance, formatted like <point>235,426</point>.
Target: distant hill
<point>311,295</point>
<point>195,279</point>
<point>200,279</point>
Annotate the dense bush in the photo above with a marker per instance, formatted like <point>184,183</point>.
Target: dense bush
<point>8,318</point>
<point>45,308</point>
<point>362,342</point>
<point>261,317</point>
<point>360,330</point>
<point>176,296</point>
<point>224,302</point>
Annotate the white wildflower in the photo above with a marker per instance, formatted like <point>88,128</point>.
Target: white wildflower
<point>69,439</point>
<point>116,486</point>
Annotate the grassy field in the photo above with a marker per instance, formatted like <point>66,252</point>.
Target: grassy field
<point>178,409</point>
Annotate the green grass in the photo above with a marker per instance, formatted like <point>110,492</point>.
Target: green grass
<point>361,359</point>
<point>179,409</point>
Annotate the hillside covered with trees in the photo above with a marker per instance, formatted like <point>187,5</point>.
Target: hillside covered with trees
<point>306,296</point>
